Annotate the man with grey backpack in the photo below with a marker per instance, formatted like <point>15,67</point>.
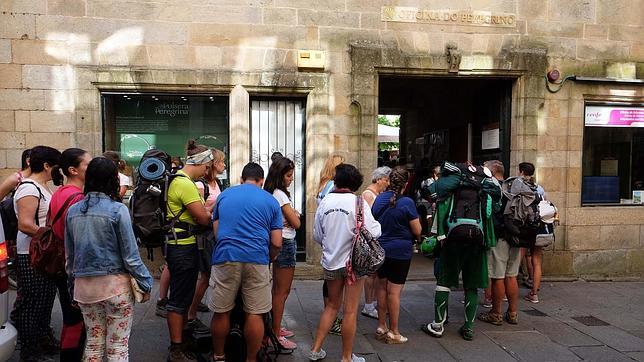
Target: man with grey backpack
<point>503,265</point>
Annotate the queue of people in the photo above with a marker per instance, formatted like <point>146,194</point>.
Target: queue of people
<point>240,243</point>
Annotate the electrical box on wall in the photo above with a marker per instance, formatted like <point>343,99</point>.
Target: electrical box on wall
<point>313,59</point>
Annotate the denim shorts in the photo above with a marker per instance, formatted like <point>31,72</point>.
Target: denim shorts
<point>286,258</point>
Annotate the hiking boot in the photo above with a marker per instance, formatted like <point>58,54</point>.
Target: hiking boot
<point>511,317</point>
<point>336,328</point>
<point>161,310</point>
<point>286,333</point>
<point>532,298</point>
<point>433,329</point>
<point>178,353</point>
<point>197,326</point>
<point>466,333</point>
<point>369,312</point>
<point>491,317</point>
<point>286,344</point>
<point>316,356</point>
<point>202,308</point>
<point>49,344</point>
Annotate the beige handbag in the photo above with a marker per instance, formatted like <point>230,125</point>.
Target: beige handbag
<point>136,290</point>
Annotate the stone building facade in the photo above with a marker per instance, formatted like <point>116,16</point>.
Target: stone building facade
<point>59,57</point>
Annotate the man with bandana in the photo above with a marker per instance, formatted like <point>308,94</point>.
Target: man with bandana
<point>188,216</point>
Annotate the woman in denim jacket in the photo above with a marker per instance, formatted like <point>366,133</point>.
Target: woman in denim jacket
<point>101,256</point>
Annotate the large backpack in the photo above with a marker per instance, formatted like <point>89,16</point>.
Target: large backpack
<point>467,207</point>
<point>148,204</point>
<point>521,232</point>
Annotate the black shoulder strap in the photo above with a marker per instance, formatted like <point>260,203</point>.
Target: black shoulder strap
<point>206,188</point>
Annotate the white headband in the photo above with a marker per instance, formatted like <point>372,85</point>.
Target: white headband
<point>200,158</point>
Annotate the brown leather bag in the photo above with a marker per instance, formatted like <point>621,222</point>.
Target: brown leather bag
<point>46,250</point>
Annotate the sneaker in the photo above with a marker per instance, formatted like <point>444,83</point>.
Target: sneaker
<point>487,303</point>
<point>336,328</point>
<point>368,312</point>
<point>286,333</point>
<point>466,333</point>
<point>177,353</point>
<point>490,317</point>
<point>532,298</point>
<point>512,318</point>
<point>505,299</point>
<point>286,344</point>
<point>197,326</point>
<point>433,329</point>
<point>161,311</point>
<point>316,356</point>
<point>355,358</point>
<point>202,308</point>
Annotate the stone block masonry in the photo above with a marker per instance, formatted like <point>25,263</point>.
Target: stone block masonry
<point>56,56</point>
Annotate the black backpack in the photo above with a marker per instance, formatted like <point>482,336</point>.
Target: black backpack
<point>235,348</point>
<point>465,217</point>
<point>8,213</point>
<point>148,204</point>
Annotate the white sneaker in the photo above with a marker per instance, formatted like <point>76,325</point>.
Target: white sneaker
<point>370,312</point>
<point>355,358</point>
<point>315,356</point>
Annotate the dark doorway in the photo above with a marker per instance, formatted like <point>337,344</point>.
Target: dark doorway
<point>455,119</point>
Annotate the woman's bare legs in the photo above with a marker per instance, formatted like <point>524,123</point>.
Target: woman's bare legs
<point>351,303</point>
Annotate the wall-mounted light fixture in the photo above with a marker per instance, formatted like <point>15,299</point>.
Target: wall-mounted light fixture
<point>552,77</point>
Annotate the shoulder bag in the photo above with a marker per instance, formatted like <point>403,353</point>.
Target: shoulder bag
<point>367,255</point>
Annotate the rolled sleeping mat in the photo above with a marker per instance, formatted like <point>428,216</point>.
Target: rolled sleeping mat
<point>152,169</point>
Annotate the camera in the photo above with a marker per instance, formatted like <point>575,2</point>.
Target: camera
<point>154,190</point>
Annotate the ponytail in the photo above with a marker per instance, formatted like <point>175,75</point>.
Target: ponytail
<point>57,176</point>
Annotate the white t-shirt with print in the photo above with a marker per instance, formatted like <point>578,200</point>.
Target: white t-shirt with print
<point>282,199</point>
<point>26,189</point>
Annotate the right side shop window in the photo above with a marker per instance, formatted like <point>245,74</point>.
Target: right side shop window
<point>613,155</point>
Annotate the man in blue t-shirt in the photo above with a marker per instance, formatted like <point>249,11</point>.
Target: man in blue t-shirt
<point>247,222</point>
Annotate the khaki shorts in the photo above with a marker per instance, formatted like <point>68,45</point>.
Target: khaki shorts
<point>227,279</point>
<point>503,260</point>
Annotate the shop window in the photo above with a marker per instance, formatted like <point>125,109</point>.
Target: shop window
<point>134,123</point>
<point>613,155</point>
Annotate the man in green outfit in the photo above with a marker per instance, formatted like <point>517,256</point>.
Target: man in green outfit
<point>466,196</point>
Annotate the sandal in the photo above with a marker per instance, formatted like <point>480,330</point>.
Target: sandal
<point>511,317</point>
<point>492,318</point>
<point>466,333</point>
<point>381,334</point>
<point>396,339</point>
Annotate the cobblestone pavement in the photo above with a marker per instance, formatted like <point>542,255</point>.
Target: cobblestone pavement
<point>601,321</point>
